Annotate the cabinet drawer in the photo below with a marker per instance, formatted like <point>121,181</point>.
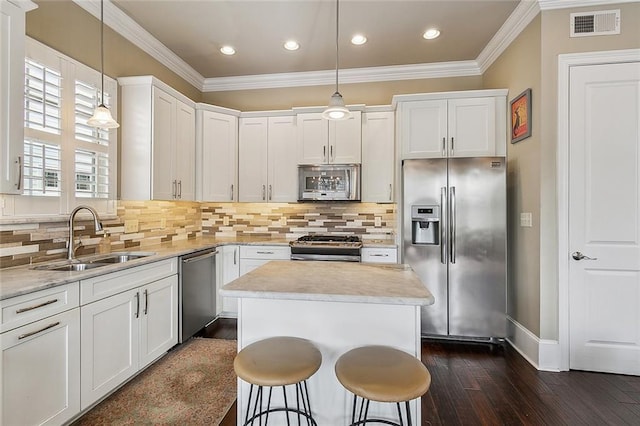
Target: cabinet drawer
<point>27,308</point>
<point>97,288</point>
<point>265,252</point>
<point>379,255</point>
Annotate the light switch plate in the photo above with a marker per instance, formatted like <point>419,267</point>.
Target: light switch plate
<point>526,220</point>
<point>225,221</point>
<point>377,221</point>
<point>283,221</point>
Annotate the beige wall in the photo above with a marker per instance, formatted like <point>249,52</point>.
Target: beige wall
<point>518,69</point>
<point>532,61</point>
<point>555,41</point>
<point>66,27</point>
<point>363,93</point>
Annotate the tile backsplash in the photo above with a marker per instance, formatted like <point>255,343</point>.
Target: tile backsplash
<point>282,220</point>
<point>141,224</point>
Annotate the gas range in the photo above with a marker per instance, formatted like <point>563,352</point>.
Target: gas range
<point>344,248</point>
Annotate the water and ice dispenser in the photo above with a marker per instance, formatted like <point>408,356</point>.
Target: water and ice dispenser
<point>425,224</point>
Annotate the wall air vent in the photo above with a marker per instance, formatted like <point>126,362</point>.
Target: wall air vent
<point>604,22</point>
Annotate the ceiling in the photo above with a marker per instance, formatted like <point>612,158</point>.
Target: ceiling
<point>195,30</point>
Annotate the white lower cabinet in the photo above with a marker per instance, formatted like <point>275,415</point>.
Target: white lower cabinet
<point>40,371</point>
<point>237,261</point>
<point>379,255</point>
<point>229,271</point>
<point>253,256</point>
<point>123,333</point>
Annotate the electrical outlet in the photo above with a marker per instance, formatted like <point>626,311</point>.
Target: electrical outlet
<point>225,220</point>
<point>377,221</point>
<point>526,220</point>
<point>163,222</point>
<point>130,226</point>
<point>283,221</point>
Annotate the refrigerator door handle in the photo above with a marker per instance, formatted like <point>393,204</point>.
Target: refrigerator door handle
<point>443,227</point>
<point>452,223</point>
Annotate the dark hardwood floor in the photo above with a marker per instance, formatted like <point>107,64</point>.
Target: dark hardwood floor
<point>478,384</point>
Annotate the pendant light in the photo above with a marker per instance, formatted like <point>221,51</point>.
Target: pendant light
<point>336,109</point>
<point>101,115</point>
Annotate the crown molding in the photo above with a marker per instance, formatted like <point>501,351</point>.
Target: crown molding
<point>121,23</point>
<point>523,14</point>
<point>566,4</point>
<point>346,76</point>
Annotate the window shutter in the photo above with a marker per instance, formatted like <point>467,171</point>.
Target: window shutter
<point>42,98</point>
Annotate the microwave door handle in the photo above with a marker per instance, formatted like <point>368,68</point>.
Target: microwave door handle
<point>324,153</point>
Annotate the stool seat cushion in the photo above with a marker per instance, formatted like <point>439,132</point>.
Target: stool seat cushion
<point>383,374</point>
<point>277,361</point>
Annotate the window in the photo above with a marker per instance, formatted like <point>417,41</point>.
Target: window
<point>66,162</point>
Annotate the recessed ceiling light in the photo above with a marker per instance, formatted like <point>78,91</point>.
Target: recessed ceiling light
<point>358,39</point>
<point>291,45</point>
<point>227,50</point>
<point>431,33</point>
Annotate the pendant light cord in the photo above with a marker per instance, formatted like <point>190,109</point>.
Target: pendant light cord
<point>337,31</point>
<point>102,51</point>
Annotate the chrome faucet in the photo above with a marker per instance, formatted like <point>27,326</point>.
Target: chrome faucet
<point>96,221</point>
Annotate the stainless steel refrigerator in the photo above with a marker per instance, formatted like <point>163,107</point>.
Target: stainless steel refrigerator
<point>454,237</point>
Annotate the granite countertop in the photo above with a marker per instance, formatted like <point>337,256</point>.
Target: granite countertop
<point>332,281</point>
<point>22,279</point>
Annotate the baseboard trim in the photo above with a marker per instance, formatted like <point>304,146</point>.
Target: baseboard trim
<point>543,354</point>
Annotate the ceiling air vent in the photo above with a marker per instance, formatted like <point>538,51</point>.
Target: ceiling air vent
<point>604,22</point>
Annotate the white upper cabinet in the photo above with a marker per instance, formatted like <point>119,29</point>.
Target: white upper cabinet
<point>453,124</point>
<point>12,39</point>
<point>322,141</point>
<point>158,141</point>
<point>217,154</point>
<point>268,163</point>
<point>282,168</point>
<point>378,157</point>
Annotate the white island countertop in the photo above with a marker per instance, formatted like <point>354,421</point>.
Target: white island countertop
<point>332,281</point>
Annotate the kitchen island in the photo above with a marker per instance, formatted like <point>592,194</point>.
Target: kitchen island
<point>338,306</point>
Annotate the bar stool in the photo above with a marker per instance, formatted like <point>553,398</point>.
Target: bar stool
<point>278,361</point>
<point>381,374</point>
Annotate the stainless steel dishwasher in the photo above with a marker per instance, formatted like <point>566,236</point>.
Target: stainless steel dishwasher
<point>197,291</point>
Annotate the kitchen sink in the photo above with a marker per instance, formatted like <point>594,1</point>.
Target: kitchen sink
<point>120,257</point>
<point>69,266</point>
<point>92,262</point>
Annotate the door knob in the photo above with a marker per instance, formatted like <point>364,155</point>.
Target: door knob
<point>579,256</point>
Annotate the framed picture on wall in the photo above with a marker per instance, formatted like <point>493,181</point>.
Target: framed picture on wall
<point>521,116</point>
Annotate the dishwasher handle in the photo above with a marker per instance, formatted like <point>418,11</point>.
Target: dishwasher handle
<point>200,257</point>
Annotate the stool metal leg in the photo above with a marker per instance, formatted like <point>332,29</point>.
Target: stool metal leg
<point>399,413</point>
<point>408,413</point>
<point>266,418</point>
<point>286,406</point>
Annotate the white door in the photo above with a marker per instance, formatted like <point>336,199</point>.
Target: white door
<point>109,344</point>
<point>159,318</point>
<point>313,138</point>
<point>164,116</point>
<point>219,162</point>
<point>185,151</point>
<point>282,160</point>
<point>345,140</point>
<point>40,371</point>
<point>472,127</point>
<point>423,129</point>
<point>252,167</point>
<point>377,157</point>
<point>604,218</point>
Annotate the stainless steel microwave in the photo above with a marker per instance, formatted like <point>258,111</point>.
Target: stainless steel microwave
<point>330,182</point>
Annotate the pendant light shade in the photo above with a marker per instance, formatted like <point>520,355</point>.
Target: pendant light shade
<point>336,109</point>
<point>102,118</point>
<point>101,115</point>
